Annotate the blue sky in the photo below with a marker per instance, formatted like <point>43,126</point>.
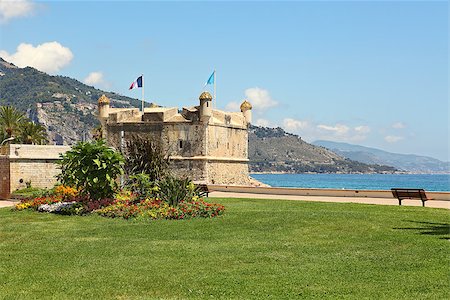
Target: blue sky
<point>368,73</point>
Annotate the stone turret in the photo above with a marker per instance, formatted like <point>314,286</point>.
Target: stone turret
<point>103,113</point>
<point>246,109</point>
<point>205,106</point>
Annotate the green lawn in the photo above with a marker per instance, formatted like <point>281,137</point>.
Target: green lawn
<point>258,249</point>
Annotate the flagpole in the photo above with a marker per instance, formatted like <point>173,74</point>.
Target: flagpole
<point>142,93</point>
<point>215,100</point>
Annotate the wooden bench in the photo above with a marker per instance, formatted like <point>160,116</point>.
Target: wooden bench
<point>401,194</point>
<point>203,190</point>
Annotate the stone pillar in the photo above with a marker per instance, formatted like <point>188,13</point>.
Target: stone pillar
<point>103,113</point>
<point>205,107</point>
<point>246,109</point>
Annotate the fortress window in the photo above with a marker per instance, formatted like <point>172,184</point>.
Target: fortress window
<point>228,145</point>
<point>207,104</point>
<point>181,144</point>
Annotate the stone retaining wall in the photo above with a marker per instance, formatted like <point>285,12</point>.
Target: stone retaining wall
<point>28,163</point>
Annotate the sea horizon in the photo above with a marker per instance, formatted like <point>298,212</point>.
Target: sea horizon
<point>428,182</point>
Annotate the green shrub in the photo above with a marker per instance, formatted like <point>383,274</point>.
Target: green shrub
<point>31,192</point>
<point>92,168</point>
<point>141,185</point>
<point>173,190</point>
<point>144,156</point>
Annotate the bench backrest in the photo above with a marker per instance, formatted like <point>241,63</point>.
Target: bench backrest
<point>409,194</point>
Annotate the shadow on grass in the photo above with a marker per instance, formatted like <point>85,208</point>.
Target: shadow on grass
<point>429,228</point>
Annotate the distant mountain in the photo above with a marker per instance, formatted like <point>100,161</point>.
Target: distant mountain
<point>406,162</point>
<point>65,106</point>
<point>274,150</point>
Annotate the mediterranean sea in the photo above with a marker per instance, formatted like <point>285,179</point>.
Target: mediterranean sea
<point>428,182</point>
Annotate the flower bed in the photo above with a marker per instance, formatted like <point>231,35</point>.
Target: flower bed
<point>157,209</point>
<point>88,184</point>
<point>124,205</point>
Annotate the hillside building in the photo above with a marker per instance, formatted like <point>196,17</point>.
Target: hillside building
<point>204,144</point>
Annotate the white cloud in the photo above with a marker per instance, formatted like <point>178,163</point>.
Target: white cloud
<point>262,122</point>
<point>339,132</point>
<point>94,78</point>
<point>10,9</point>
<point>294,125</point>
<point>398,125</point>
<point>393,138</point>
<point>338,129</point>
<point>47,57</point>
<point>233,106</point>
<point>260,98</point>
<point>362,129</point>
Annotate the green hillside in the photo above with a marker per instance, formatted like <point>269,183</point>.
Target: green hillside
<point>24,87</point>
<point>65,106</point>
<point>274,150</point>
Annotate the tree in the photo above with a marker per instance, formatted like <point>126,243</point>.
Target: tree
<point>10,119</point>
<point>31,133</point>
<point>2,135</point>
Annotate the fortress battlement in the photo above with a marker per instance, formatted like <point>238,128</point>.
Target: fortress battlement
<point>205,144</point>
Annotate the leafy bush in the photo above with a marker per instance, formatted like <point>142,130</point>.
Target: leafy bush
<point>31,192</point>
<point>173,190</point>
<point>144,156</point>
<point>141,185</point>
<point>92,168</point>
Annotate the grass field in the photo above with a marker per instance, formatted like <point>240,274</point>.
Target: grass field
<point>258,249</point>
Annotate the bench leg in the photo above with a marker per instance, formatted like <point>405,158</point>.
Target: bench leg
<point>399,201</point>
<point>423,203</point>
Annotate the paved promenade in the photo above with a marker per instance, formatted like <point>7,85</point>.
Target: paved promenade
<point>365,200</point>
<point>6,203</point>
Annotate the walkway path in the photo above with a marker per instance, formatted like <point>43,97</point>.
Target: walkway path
<point>6,203</point>
<point>382,201</point>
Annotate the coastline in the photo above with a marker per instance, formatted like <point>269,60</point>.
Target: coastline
<point>380,193</point>
<point>353,173</point>
<point>383,197</point>
<point>428,182</point>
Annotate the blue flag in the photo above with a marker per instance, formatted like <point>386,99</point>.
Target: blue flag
<point>211,78</point>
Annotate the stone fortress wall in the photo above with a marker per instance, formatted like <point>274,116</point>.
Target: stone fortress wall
<point>205,144</point>
<point>210,146</point>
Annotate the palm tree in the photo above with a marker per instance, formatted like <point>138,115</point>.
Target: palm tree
<point>31,133</point>
<point>10,119</point>
<point>2,135</point>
